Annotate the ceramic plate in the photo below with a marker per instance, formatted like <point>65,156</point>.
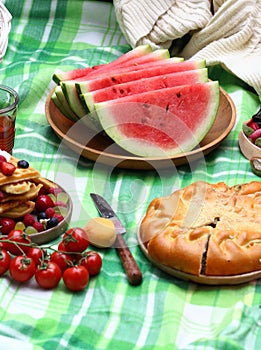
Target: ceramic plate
<point>101,148</point>
<point>54,232</point>
<point>202,279</point>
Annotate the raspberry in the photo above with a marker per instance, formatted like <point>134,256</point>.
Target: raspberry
<point>50,212</point>
<point>7,168</point>
<point>59,217</point>
<point>38,226</point>
<point>28,220</point>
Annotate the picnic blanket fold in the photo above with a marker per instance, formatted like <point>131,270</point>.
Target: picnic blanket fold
<point>226,32</point>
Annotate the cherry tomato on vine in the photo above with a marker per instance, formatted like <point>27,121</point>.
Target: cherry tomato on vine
<point>2,244</point>
<point>75,240</point>
<point>63,260</point>
<point>17,236</point>
<point>92,262</point>
<point>37,254</point>
<point>76,278</point>
<point>48,275</point>
<point>5,260</point>
<point>22,268</point>
<point>61,247</point>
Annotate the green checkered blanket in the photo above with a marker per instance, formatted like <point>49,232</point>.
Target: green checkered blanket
<point>163,312</point>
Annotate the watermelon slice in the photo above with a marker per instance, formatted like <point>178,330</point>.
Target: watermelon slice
<point>145,84</point>
<point>139,51</point>
<point>70,90</point>
<point>161,123</point>
<point>166,67</point>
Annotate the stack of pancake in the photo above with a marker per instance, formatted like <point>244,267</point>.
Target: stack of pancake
<point>17,191</point>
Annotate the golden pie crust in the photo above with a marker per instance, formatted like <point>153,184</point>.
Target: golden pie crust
<point>206,229</point>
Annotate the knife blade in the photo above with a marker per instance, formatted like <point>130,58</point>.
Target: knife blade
<point>131,268</point>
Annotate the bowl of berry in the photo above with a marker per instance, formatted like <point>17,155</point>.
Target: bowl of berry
<point>31,203</point>
<point>249,138</point>
<point>50,217</point>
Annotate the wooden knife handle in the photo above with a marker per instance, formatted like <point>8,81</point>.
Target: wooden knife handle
<point>131,268</point>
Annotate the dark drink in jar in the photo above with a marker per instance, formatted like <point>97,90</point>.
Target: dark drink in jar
<point>8,110</point>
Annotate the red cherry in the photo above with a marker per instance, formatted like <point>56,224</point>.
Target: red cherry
<point>253,125</point>
<point>43,190</point>
<point>6,225</point>
<point>43,202</point>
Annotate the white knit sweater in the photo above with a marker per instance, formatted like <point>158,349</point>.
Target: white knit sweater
<point>227,32</point>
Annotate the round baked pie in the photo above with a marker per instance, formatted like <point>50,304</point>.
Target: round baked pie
<point>206,229</point>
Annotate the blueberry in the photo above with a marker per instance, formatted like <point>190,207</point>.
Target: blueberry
<point>52,223</point>
<point>23,164</point>
<point>42,216</point>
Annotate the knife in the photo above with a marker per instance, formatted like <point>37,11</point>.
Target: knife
<point>131,268</point>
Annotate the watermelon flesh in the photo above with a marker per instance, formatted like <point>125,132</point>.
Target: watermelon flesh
<point>145,84</point>
<point>166,67</point>
<point>142,50</point>
<point>155,57</point>
<point>161,123</point>
<point>132,62</point>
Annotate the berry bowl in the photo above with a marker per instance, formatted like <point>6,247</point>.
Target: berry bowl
<point>54,232</point>
<point>249,139</point>
<point>247,147</point>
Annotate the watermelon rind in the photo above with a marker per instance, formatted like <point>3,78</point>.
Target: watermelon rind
<point>140,111</point>
<point>61,108</point>
<point>61,100</point>
<point>72,97</point>
<point>75,104</point>
<point>145,84</point>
